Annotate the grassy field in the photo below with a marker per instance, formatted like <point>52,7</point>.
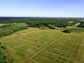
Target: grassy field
<point>2,24</point>
<point>34,45</point>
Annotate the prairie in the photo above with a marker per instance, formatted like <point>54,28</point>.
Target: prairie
<point>42,40</point>
<point>34,45</point>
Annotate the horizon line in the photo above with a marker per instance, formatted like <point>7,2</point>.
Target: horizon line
<point>42,16</point>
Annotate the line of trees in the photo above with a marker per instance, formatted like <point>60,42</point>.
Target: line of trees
<point>43,22</point>
<point>11,28</point>
<point>81,24</point>
<point>37,22</point>
<point>69,30</point>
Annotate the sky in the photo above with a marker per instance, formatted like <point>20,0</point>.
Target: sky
<point>42,8</point>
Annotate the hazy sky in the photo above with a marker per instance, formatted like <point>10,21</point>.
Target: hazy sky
<point>42,8</point>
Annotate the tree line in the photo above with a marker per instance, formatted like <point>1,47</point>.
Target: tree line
<point>11,28</point>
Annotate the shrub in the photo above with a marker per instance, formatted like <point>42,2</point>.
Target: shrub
<point>67,31</point>
<point>81,25</point>
<point>51,26</point>
<point>3,47</point>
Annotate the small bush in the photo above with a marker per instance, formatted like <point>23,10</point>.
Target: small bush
<point>3,47</point>
<point>67,31</point>
<point>51,26</point>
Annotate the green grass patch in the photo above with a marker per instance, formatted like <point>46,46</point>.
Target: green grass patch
<point>37,46</point>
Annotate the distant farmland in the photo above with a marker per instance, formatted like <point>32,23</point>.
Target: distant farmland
<point>44,42</point>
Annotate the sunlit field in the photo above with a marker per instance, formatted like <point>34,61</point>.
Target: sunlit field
<point>41,31</point>
<point>34,45</point>
<point>58,40</point>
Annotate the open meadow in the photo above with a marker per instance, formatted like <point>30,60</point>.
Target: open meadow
<point>43,44</point>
